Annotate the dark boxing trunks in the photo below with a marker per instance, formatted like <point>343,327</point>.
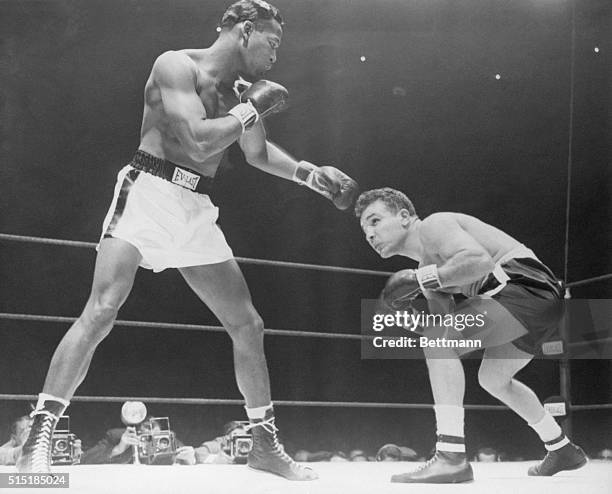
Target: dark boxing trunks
<point>534,297</point>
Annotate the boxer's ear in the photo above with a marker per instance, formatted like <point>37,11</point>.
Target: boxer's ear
<point>247,30</point>
<point>405,217</point>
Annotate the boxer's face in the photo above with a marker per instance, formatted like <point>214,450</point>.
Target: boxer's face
<point>384,229</point>
<point>262,39</point>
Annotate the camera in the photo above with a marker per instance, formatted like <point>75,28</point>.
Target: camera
<point>64,447</point>
<point>157,443</point>
<point>240,443</point>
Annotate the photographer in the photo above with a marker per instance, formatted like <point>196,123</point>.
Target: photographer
<point>117,447</point>
<point>232,447</point>
<point>10,451</point>
<point>393,452</point>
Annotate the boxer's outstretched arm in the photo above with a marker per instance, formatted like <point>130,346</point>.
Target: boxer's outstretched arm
<point>175,75</point>
<point>328,181</point>
<point>265,155</point>
<point>464,259</point>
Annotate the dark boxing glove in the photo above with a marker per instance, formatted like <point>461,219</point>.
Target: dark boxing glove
<point>328,181</point>
<point>406,285</point>
<point>257,101</point>
<point>401,289</point>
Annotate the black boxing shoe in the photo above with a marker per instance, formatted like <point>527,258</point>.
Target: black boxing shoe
<point>36,451</point>
<point>444,467</point>
<point>568,457</point>
<point>268,455</point>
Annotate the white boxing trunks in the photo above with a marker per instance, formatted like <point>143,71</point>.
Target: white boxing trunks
<point>170,225</point>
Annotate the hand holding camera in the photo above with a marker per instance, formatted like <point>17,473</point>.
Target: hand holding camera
<point>185,455</point>
<point>128,438</point>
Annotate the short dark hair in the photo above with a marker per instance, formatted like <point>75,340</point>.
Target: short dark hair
<point>249,10</point>
<point>231,426</point>
<point>392,198</point>
<point>16,422</point>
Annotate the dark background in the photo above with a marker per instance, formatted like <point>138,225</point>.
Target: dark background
<point>423,113</point>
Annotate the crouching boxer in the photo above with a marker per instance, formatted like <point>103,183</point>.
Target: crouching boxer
<point>197,103</point>
<point>514,301</point>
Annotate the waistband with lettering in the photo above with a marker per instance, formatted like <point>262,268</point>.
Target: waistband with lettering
<point>181,176</point>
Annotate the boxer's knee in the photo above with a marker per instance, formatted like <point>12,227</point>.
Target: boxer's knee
<point>492,381</point>
<point>100,314</point>
<point>246,330</point>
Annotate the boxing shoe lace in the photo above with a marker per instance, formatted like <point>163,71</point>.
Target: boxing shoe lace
<point>41,449</point>
<point>442,468</point>
<point>428,463</point>
<point>270,427</point>
<point>268,424</point>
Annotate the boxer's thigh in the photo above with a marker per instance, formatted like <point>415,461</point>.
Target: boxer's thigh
<point>223,289</point>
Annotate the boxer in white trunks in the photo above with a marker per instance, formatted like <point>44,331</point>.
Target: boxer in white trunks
<point>197,103</point>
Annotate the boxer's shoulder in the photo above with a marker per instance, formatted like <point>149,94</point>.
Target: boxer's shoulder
<point>183,63</point>
<point>438,221</point>
<point>437,226</point>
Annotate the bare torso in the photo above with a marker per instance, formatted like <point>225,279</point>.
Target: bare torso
<point>496,242</point>
<point>156,134</point>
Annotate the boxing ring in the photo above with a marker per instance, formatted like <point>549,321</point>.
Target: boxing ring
<point>335,478</point>
<point>503,477</point>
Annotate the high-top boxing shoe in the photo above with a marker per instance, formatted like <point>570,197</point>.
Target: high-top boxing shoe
<point>568,457</point>
<point>444,467</point>
<point>36,451</point>
<point>268,455</point>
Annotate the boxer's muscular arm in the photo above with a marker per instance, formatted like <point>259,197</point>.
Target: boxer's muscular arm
<point>464,260</point>
<point>265,155</point>
<point>328,181</point>
<point>201,137</point>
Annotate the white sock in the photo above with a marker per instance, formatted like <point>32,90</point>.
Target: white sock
<point>42,397</point>
<point>257,413</point>
<point>449,423</point>
<point>547,428</point>
<point>449,420</point>
<point>555,445</point>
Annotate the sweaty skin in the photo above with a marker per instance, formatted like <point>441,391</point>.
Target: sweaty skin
<point>464,248</point>
<point>188,95</point>
<point>158,135</point>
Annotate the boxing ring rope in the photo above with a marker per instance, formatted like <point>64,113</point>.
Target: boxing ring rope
<point>238,402</point>
<point>181,326</point>
<point>262,262</point>
<point>221,329</point>
<point>288,403</point>
<point>588,281</point>
<point>272,332</point>
<point>243,260</point>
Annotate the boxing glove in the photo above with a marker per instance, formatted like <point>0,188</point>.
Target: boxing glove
<point>328,181</point>
<point>406,285</point>
<point>257,101</point>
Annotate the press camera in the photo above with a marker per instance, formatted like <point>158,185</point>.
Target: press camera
<point>157,443</point>
<point>65,446</point>
<point>239,443</point>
